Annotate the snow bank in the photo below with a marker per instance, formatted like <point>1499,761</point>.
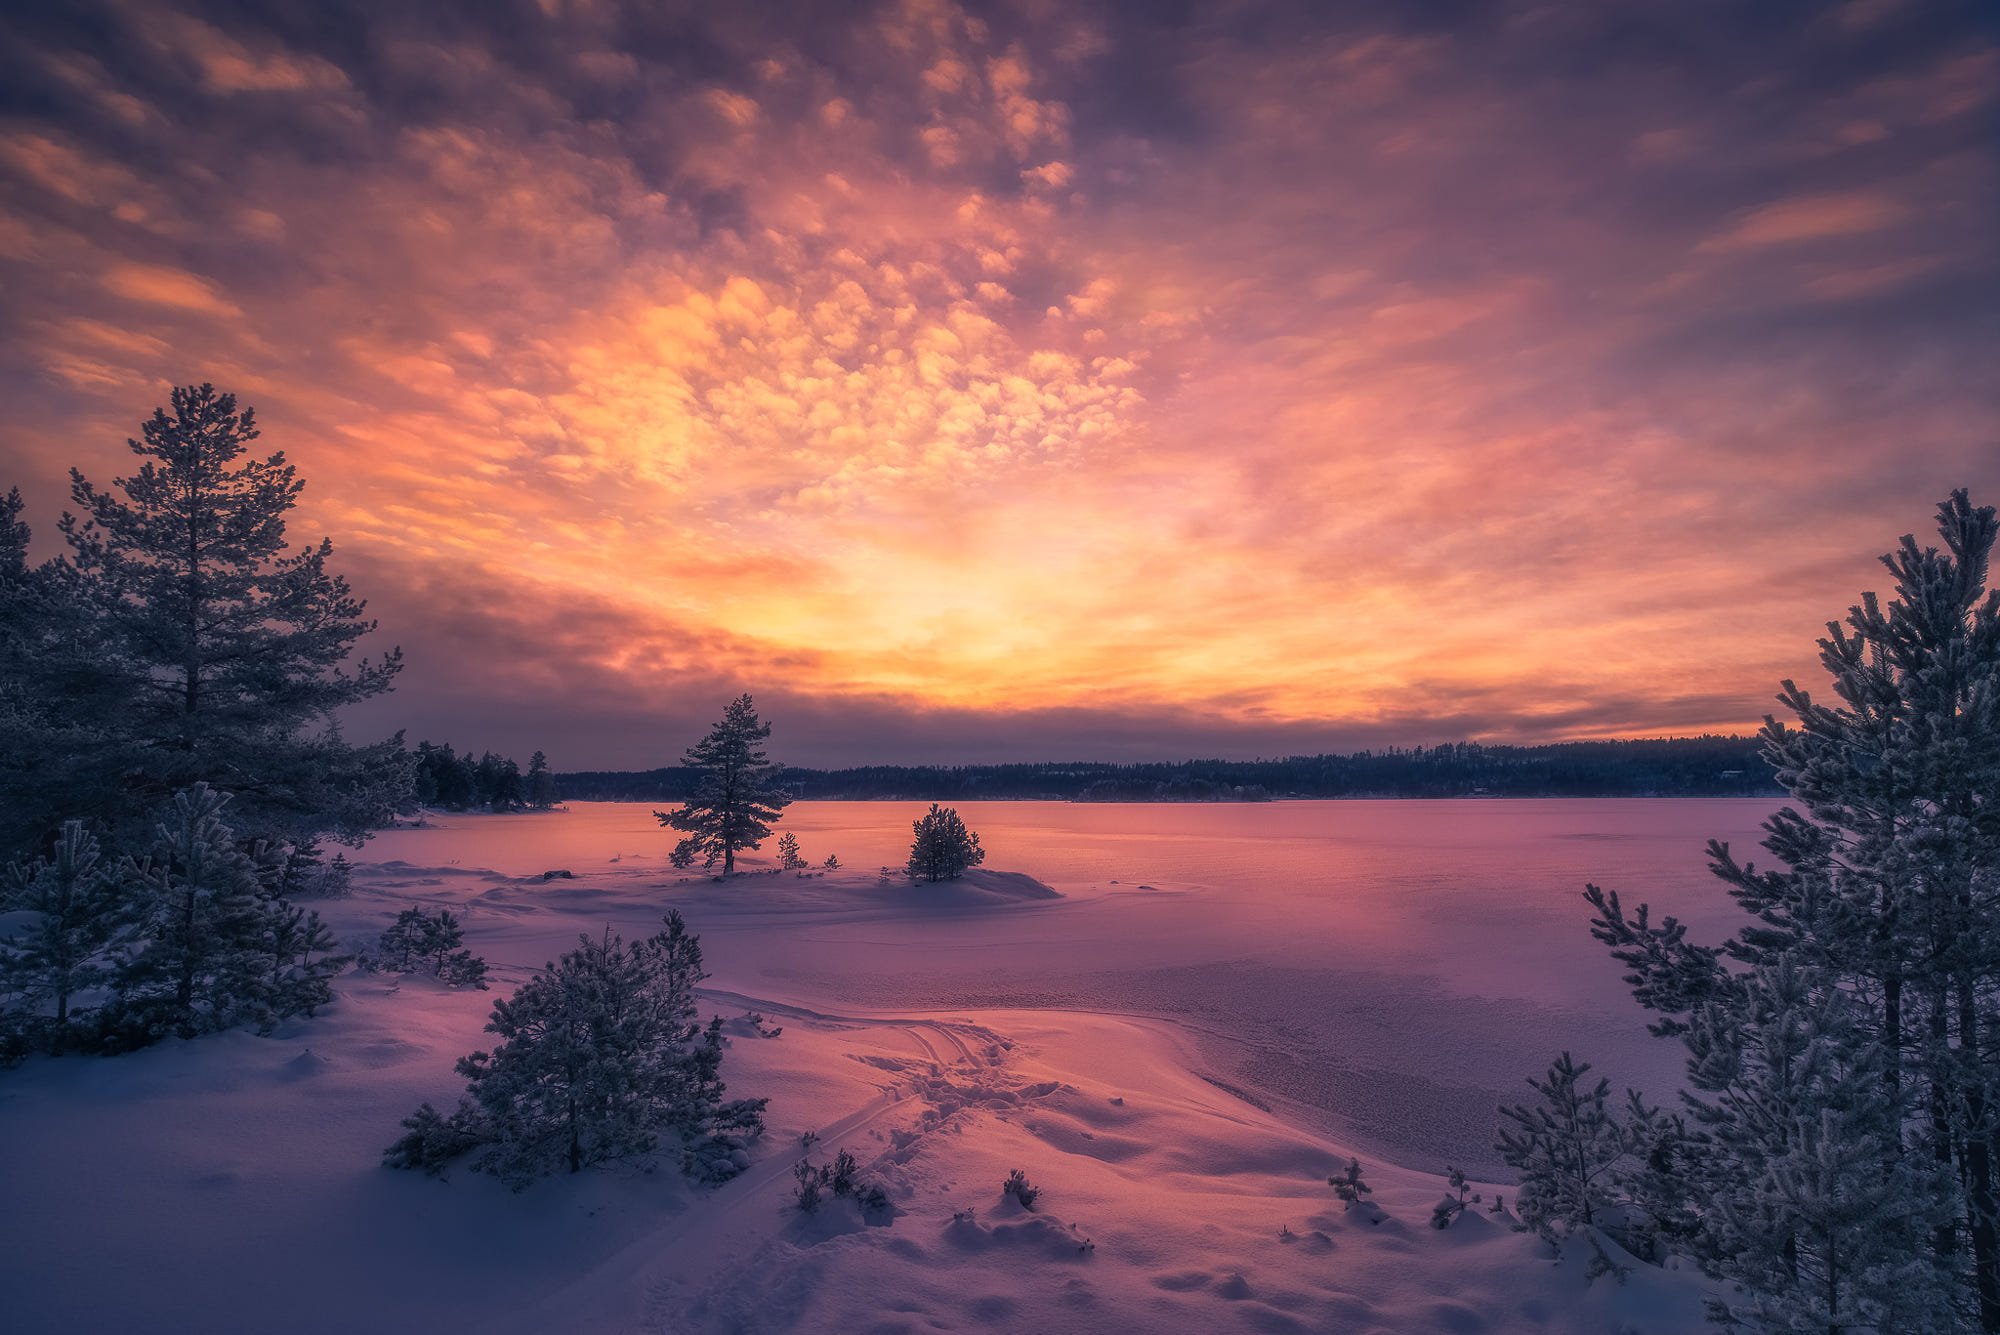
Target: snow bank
<point>231,1183</point>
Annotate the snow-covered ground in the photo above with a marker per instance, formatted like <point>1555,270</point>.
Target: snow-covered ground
<point>231,1183</point>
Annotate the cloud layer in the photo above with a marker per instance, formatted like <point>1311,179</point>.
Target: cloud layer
<point>1035,380</point>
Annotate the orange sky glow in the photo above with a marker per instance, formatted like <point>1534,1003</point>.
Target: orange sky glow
<point>1035,380</point>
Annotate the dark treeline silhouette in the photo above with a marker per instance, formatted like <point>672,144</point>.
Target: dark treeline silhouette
<point>458,782</point>
<point>1707,766</point>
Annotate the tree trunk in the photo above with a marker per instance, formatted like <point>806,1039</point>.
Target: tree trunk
<point>1979,1193</point>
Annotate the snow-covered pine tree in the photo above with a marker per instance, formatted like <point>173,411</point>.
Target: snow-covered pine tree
<point>1887,886</point>
<point>199,961</point>
<point>65,951</point>
<point>432,943</point>
<point>232,653</point>
<point>943,848</point>
<point>1812,1210</point>
<point>300,960</point>
<point>738,795</point>
<point>599,1052</point>
<point>1568,1148</point>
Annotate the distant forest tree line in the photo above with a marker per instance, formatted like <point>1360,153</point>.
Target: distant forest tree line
<point>1707,766</point>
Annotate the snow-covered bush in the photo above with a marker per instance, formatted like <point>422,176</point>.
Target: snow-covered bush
<point>943,848</point>
<point>601,1052</point>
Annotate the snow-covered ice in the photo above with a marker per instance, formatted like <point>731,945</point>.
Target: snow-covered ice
<point>1142,1071</point>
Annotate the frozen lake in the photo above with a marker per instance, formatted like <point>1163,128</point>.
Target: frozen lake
<point>1389,970</point>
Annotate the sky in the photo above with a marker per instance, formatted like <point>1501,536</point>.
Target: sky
<point>1034,380</point>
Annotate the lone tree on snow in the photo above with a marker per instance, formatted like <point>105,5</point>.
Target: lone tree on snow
<point>943,847</point>
<point>738,796</point>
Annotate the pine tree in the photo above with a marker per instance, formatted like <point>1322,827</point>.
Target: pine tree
<point>58,698</point>
<point>430,942</point>
<point>200,962</point>
<point>231,652</point>
<point>789,856</point>
<point>943,848</point>
<point>300,961</point>
<point>1887,891</point>
<point>77,901</point>
<point>738,795</point>
<point>599,1053</point>
<point>541,783</point>
<point>1568,1148</point>
<point>1813,1211</point>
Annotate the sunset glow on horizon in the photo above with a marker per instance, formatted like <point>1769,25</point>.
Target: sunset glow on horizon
<point>1037,380</point>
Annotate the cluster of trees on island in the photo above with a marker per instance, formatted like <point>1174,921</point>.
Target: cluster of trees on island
<point>443,778</point>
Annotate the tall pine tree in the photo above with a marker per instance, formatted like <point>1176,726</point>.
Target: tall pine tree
<point>1887,891</point>
<point>738,795</point>
<point>230,652</point>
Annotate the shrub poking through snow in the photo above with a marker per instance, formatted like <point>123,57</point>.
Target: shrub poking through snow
<point>1454,1203</point>
<point>1018,1186</point>
<point>789,856</point>
<point>832,863</point>
<point>943,848</point>
<point>1347,1184</point>
<point>840,1175</point>
<point>811,1186</point>
<point>600,1053</point>
<point>420,942</point>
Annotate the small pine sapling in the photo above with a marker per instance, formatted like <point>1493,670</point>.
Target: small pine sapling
<point>1568,1148</point>
<point>1018,1186</point>
<point>788,852</point>
<point>1453,1205</point>
<point>832,862</point>
<point>1347,1184</point>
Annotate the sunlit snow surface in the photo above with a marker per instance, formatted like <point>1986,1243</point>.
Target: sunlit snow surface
<point>1220,1002</point>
